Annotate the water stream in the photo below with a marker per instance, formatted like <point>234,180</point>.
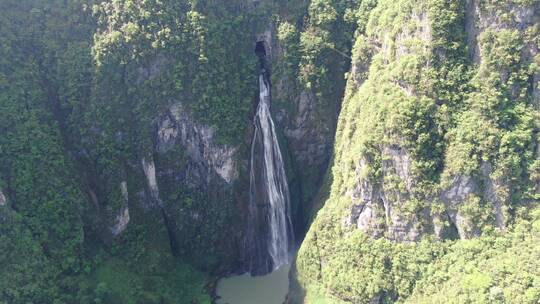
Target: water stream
<point>270,235</point>
<point>269,230</point>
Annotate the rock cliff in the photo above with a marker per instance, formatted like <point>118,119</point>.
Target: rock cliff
<point>422,150</point>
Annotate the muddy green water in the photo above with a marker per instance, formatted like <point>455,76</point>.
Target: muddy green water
<point>245,289</point>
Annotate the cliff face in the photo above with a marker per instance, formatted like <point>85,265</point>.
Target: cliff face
<point>425,149</point>
<point>142,113</point>
<point>193,170</point>
<point>126,126</point>
<point>400,174</point>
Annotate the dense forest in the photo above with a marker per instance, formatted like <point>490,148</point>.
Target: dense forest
<point>409,129</point>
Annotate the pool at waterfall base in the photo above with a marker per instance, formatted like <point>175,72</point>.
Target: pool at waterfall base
<point>246,289</point>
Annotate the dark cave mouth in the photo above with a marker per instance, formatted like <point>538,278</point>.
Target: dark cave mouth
<point>260,49</point>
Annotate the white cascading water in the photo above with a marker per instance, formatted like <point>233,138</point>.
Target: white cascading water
<point>274,180</point>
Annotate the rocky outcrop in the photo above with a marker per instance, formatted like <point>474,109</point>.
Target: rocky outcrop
<point>122,219</point>
<point>208,158</point>
<point>377,207</point>
<point>193,179</point>
<point>149,169</point>
<point>3,200</point>
<point>464,188</point>
<point>461,188</point>
<point>310,143</point>
<point>308,123</point>
<point>367,210</point>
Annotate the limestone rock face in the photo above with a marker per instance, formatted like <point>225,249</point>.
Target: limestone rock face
<point>176,127</point>
<point>376,208</point>
<point>3,200</point>
<point>375,204</point>
<point>410,163</point>
<point>150,172</point>
<point>122,221</point>
<point>192,178</point>
<point>309,141</point>
<point>308,123</point>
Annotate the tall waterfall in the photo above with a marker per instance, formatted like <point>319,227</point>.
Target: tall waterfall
<point>269,224</point>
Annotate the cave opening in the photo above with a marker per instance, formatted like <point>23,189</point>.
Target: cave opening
<point>260,49</point>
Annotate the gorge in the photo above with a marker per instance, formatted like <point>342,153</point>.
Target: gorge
<point>240,151</point>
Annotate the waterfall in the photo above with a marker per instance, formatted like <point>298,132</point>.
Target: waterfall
<point>269,222</point>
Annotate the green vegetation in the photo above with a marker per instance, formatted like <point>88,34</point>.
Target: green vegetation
<point>501,268</point>
<point>433,104</point>
<point>497,268</point>
<point>81,84</point>
<point>178,284</point>
<point>198,55</point>
<point>424,109</point>
<point>140,268</point>
<point>315,42</point>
